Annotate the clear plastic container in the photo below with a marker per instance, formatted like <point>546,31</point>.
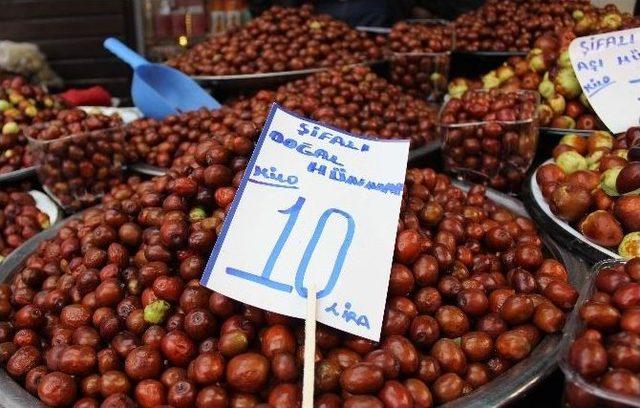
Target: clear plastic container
<point>500,160</point>
<point>423,74</point>
<point>77,170</point>
<point>578,392</point>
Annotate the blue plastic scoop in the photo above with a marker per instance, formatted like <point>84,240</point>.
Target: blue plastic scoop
<point>158,90</point>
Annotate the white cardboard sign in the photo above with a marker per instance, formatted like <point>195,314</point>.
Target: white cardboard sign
<point>316,206</point>
<point>608,69</point>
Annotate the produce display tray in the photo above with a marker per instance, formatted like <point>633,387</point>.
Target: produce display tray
<point>147,169</point>
<point>549,131</point>
<point>262,80</point>
<point>151,170</point>
<point>507,388</point>
<point>520,378</point>
<point>13,176</point>
<point>568,236</point>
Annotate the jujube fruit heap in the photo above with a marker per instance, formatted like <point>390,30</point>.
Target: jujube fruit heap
<point>117,316</point>
<point>280,39</point>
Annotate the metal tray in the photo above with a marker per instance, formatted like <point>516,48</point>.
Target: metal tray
<point>570,238</point>
<point>515,382</point>
<point>549,131</point>
<point>374,30</point>
<point>265,79</point>
<point>13,176</point>
<point>490,54</point>
<point>147,169</point>
<point>507,388</point>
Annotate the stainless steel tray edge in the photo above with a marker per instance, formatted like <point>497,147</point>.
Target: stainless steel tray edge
<point>17,175</point>
<point>12,395</point>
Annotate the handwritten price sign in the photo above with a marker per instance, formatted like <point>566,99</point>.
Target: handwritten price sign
<point>316,207</point>
<point>608,69</point>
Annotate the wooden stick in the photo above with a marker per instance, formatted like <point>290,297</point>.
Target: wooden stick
<point>309,349</point>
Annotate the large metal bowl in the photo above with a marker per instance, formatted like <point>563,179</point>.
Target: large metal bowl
<point>17,175</point>
<point>507,388</point>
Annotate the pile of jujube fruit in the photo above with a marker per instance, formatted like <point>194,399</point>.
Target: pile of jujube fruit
<point>20,219</point>
<point>280,39</point>
<point>547,68</point>
<point>79,155</point>
<point>512,25</point>
<point>160,142</point>
<point>110,311</point>
<point>420,57</point>
<point>354,99</point>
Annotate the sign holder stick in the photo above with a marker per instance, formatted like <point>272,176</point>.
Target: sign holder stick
<point>309,349</point>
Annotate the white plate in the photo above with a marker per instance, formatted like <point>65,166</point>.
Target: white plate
<point>542,203</point>
<point>45,204</point>
<point>127,114</point>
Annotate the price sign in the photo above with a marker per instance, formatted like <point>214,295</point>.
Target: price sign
<point>316,207</point>
<point>608,69</point>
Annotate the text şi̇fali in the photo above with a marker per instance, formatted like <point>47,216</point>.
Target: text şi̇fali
<point>320,161</point>
<point>626,56</point>
<point>319,155</point>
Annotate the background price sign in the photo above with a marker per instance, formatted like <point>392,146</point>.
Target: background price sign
<point>316,207</point>
<point>608,69</point>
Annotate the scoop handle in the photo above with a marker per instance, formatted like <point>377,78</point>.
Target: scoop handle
<point>124,53</point>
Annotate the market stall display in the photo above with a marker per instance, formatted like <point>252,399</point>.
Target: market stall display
<point>420,54</point>
<point>158,234</point>
<point>600,352</point>
<point>490,136</point>
<point>547,69</point>
<point>590,188</point>
<point>354,99</point>
<point>279,40</point>
<point>109,308</point>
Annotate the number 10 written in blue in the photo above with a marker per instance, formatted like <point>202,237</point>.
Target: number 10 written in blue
<point>293,212</point>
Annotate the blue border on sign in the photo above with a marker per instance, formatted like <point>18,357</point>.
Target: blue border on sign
<point>247,174</point>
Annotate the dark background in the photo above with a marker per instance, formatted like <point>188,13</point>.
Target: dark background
<point>70,34</point>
